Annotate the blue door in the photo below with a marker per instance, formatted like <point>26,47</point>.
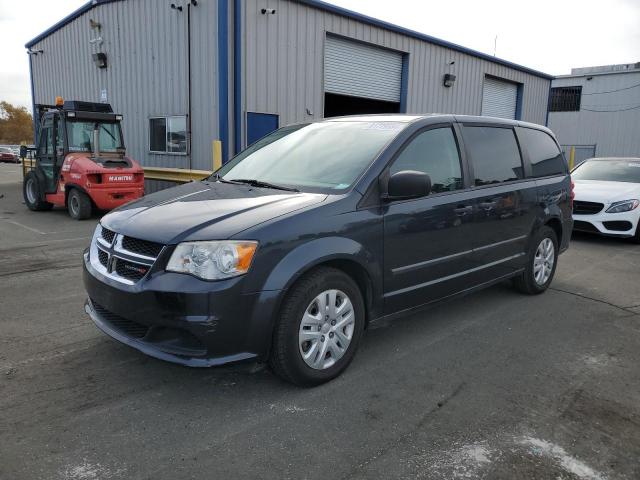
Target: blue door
<point>259,125</point>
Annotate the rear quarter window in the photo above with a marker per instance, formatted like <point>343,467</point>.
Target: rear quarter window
<point>545,156</point>
<point>495,155</point>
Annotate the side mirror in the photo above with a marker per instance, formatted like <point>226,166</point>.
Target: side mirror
<point>408,184</point>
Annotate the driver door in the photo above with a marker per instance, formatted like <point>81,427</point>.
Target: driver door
<point>428,241</point>
<point>47,159</point>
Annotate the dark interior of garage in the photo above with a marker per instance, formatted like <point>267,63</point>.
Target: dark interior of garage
<point>338,105</point>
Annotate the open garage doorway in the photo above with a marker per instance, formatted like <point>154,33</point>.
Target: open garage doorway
<point>361,78</point>
<point>339,105</point>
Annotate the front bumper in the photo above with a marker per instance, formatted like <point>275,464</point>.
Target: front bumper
<point>613,224</point>
<point>182,319</point>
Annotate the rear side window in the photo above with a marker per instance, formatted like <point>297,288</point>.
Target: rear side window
<point>545,156</point>
<point>495,154</point>
<point>435,153</point>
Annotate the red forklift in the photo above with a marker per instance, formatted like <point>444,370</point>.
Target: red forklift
<point>80,161</point>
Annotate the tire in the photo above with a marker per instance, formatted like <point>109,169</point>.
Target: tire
<point>32,194</point>
<point>79,205</point>
<point>636,237</point>
<point>531,281</point>
<point>302,303</point>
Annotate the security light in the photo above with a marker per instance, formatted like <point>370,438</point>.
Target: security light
<point>449,80</point>
<point>100,59</point>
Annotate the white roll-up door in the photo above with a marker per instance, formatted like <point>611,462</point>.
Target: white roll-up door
<point>360,70</point>
<point>499,99</point>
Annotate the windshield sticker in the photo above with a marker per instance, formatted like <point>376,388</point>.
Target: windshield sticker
<point>392,126</point>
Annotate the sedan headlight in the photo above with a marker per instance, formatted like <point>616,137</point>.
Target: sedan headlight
<point>213,260</point>
<point>624,206</point>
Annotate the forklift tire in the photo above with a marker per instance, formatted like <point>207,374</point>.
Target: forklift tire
<point>79,205</point>
<point>32,195</point>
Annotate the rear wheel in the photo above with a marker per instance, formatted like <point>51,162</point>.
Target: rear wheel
<point>319,329</point>
<point>32,194</point>
<point>79,205</point>
<point>541,263</point>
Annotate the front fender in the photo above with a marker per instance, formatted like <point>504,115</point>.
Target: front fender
<point>307,256</point>
<point>318,251</point>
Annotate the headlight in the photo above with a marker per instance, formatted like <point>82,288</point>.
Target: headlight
<point>624,206</point>
<point>213,260</point>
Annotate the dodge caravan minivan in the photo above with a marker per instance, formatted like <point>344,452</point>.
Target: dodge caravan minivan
<point>289,251</point>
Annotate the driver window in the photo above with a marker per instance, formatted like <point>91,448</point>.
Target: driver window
<point>59,135</point>
<point>435,153</point>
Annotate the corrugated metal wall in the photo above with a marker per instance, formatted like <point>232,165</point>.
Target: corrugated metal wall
<point>616,133</point>
<point>146,45</point>
<point>283,66</point>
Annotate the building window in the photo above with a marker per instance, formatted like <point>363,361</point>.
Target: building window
<point>168,135</point>
<point>565,99</point>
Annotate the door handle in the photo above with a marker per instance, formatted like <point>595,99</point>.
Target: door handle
<point>488,205</point>
<point>462,210</point>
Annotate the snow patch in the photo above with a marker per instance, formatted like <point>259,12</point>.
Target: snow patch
<point>559,454</point>
<point>89,471</point>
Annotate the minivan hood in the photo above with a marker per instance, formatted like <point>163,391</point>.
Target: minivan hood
<point>204,211</point>
<point>605,192</point>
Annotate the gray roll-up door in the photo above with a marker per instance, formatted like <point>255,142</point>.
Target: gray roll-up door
<point>361,70</point>
<point>499,99</point>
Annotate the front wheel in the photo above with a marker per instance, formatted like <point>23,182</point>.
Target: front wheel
<point>541,263</point>
<point>319,329</point>
<point>32,195</point>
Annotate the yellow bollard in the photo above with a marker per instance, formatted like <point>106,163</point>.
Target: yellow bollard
<point>572,158</point>
<point>216,148</point>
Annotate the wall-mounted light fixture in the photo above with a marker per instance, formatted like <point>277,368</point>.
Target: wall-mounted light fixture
<point>268,11</point>
<point>176,7</point>
<point>100,59</point>
<point>449,80</point>
<point>34,52</point>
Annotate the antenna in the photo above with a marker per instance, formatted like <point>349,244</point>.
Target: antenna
<point>495,45</point>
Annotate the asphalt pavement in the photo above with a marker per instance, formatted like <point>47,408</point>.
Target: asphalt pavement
<point>495,385</point>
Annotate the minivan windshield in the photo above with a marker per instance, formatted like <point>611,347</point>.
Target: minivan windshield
<point>327,156</point>
<point>80,136</point>
<point>608,170</point>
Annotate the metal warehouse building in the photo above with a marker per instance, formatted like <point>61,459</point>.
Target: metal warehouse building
<point>596,110</point>
<point>185,73</point>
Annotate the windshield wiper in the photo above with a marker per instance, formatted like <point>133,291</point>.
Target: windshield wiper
<point>218,178</point>
<point>259,183</point>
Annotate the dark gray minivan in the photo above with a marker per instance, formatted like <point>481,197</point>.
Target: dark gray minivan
<point>286,253</point>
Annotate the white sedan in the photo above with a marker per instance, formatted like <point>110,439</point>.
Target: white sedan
<point>607,197</point>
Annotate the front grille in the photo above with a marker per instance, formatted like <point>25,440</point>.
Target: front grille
<point>142,247</point>
<point>618,225</point>
<point>125,259</point>
<point>103,257</point>
<point>108,235</point>
<point>130,270</point>
<point>584,226</point>
<point>586,208</point>
<point>128,327</point>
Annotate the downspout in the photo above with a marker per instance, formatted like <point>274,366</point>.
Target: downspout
<point>223,76</point>
<point>189,143</point>
<point>33,104</point>
<point>237,76</point>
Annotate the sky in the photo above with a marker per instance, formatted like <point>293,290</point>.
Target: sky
<point>548,35</point>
